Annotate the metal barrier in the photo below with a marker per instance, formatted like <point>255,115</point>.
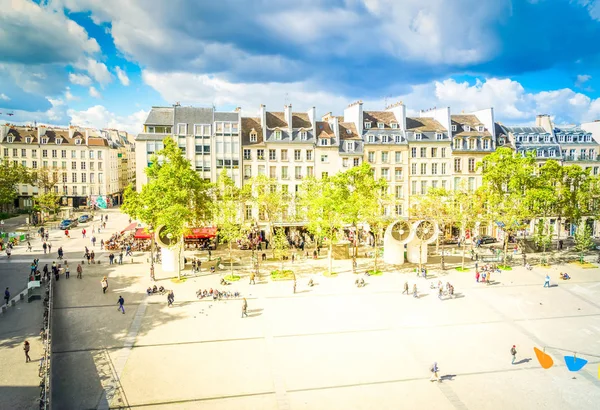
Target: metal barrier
<point>45,365</point>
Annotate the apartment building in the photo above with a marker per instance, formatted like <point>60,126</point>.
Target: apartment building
<point>209,139</point>
<point>84,163</point>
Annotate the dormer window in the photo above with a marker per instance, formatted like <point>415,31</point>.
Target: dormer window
<point>278,135</point>
<point>367,125</point>
<point>418,136</point>
<point>394,125</point>
<point>398,139</point>
<point>501,141</point>
<point>384,138</point>
<point>28,140</point>
<point>253,136</point>
<point>44,140</point>
<point>480,128</point>
<point>453,127</point>
<point>380,125</point>
<point>324,142</point>
<point>561,138</point>
<point>547,138</point>
<point>350,146</point>
<point>371,139</point>
<point>10,139</point>
<point>58,141</point>
<point>348,131</point>
<point>467,128</point>
<point>570,138</point>
<point>303,135</point>
<point>457,143</point>
<point>78,141</point>
<point>439,135</point>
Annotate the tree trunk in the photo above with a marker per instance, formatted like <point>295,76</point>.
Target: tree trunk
<point>506,236</point>
<point>355,248</point>
<point>375,236</point>
<point>330,255</point>
<point>230,261</point>
<point>179,249</point>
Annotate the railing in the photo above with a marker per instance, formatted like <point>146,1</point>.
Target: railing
<point>582,158</point>
<point>45,365</point>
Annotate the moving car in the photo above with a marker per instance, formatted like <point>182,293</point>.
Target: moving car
<point>68,224</point>
<point>85,218</point>
<point>485,239</point>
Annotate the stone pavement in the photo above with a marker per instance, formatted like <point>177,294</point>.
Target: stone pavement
<point>332,346</point>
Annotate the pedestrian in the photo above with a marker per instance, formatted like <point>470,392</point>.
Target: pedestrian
<point>101,244</point>
<point>28,246</point>
<point>488,277</point>
<point>93,241</point>
<point>152,273</point>
<point>83,233</point>
<point>434,372</point>
<point>79,271</point>
<point>170,298</point>
<point>547,282</point>
<point>67,272</point>
<point>44,246</point>
<point>26,350</point>
<point>513,352</point>
<point>104,283</point>
<point>121,303</point>
<point>121,258</point>
<point>60,252</point>
<point>46,275</point>
<point>440,293</point>
<point>67,234</point>
<point>245,308</point>
<point>560,244</point>
<point>294,287</point>
<point>6,295</point>
<point>252,276</point>
<point>405,288</point>
<point>8,252</point>
<point>111,258</point>
<point>49,246</point>
<point>93,256</point>
<point>415,293</point>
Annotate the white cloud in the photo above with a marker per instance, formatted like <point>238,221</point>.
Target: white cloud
<point>94,92</point>
<point>99,117</point>
<point>122,75</point>
<point>4,97</point>
<point>95,69</point>
<point>80,79</point>
<point>69,96</point>
<point>582,79</point>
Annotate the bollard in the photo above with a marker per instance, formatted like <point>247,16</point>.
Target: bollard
<point>21,296</point>
<point>3,308</point>
<point>13,302</point>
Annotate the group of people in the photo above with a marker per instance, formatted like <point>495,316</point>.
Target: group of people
<point>485,275</point>
<point>216,294</point>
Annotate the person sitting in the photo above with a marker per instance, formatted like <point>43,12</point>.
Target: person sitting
<point>527,266</point>
<point>236,294</point>
<point>205,293</point>
<point>367,273</point>
<point>211,291</point>
<point>565,276</point>
<point>224,282</point>
<point>161,289</point>
<point>149,291</point>
<point>311,283</point>
<point>154,289</point>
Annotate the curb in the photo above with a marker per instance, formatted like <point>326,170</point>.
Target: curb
<point>13,302</point>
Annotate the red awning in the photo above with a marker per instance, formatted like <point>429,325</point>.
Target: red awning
<point>201,233</point>
<point>142,233</point>
<point>130,227</point>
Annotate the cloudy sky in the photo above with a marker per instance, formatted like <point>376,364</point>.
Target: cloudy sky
<point>104,63</point>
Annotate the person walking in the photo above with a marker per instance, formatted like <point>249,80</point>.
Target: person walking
<point>547,282</point>
<point>104,283</point>
<point>170,298</point>
<point>245,308</point>
<point>405,288</point>
<point>67,272</point>
<point>434,372</point>
<point>6,295</point>
<point>294,287</point>
<point>121,303</point>
<point>44,246</point>
<point>49,246</point>
<point>28,247</point>
<point>93,241</point>
<point>513,352</point>
<point>415,293</point>
<point>83,232</point>
<point>101,244</point>
<point>79,271</point>
<point>46,274</point>
<point>26,350</point>
<point>121,258</point>
<point>60,252</point>
<point>440,293</point>
<point>111,258</point>
<point>252,276</point>
<point>152,273</point>
<point>93,256</point>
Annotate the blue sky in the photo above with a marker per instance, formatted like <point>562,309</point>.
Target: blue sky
<point>105,63</point>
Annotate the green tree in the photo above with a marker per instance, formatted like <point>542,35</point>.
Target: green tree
<point>583,239</point>
<point>466,206</point>
<point>11,175</point>
<point>280,246</point>
<point>47,201</point>
<point>175,196</point>
<point>321,201</point>
<point>227,204</point>
<point>507,176</point>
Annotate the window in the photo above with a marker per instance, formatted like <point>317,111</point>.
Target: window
<point>63,153</point>
<point>486,144</point>
<point>467,128</point>
<point>433,152</point>
<point>272,155</point>
<point>385,139</point>
<point>434,184</point>
<point>356,162</point>
<point>385,173</point>
<point>471,163</point>
<point>92,154</point>
<point>398,139</point>
<point>472,143</point>
<point>457,143</point>
<point>73,165</point>
<point>284,189</point>
<point>83,177</point>
<point>423,187</point>
<point>443,184</point>
<point>253,136</point>
<point>44,164</point>
<point>6,152</point>
<point>367,125</point>
<point>324,142</point>
<point>277,135</point>
<point>398,174</point>
<point>324,175</point>
<point>260,154</point>
<point>350,146</point>
<point>284,173</point>
<point>247,154</point>
<point>44,140</point>
<point>569,138</point>
<point>58,141</point>
<point>14,152</point>
<point>261,170</point>
<point>99,154</point>
<point>413,188</point>
<point>99,166</point>
<point>34,153</point>
<point>434,168</point>
<point>82,165</point>
<point>181,129</point>
<point>418,136</point>
<point>92,179</point>
<point>371,139</point>
<point>398,157</point>
<point>34,164</point>
<point>384,157</point>
<point>443,155</point>
<point>371,157</point>
<point>561,138</point>
<point>309,154</point>
<point>345,162</point>
<point>298,172</point>
<point>73,154</point>
<point>453,127</point>
<point>457,165</point>
<point>423,152</point>
<point>309,171</point>
<point>64,178</point>
<point>324,158</point>
<point>23,152</point>
<point>273,172</point>
<point>547,138</point>
<point>439,136</point>
<point>480,128</point>
<point>413,152</point>
<point>380,125</point>
<point>297,155</point>
<point>423,169</point>
<point>54,153</point>
<point>471,184</point>
<point>74,177</point>
<point>303,135</point>
<point>394,125</point>
<point>284,154</point>
<point>92,166</point>
<point>413,169</point>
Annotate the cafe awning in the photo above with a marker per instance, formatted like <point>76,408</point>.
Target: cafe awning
<point>130,227</point>
<point>201,233</point>
<point>142,233</point>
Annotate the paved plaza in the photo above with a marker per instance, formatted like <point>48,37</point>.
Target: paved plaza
<point>332,346</point>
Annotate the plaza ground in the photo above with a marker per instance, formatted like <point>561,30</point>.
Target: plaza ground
<point>332,346</point>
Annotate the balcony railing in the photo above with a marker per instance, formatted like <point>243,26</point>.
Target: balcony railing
<point>582,158</point>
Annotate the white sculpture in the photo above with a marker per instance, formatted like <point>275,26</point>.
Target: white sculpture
<point>396,236</point>
<point>425,232</point>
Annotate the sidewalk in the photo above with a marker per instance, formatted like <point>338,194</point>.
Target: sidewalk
<point>19,382</point>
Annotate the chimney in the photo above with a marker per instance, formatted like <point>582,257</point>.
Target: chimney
<point>41,132</point>
<point>263,120</point>
<point>288,116</point>
<point>238,109</point>
<point>544,121</point>
<point>312,117</point>
<point>399,110</point>
<point>354,113</point>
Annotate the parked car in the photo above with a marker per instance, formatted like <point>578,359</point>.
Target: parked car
<point>68,224</point>
<point>483,239</point>
<point>85,218</point>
